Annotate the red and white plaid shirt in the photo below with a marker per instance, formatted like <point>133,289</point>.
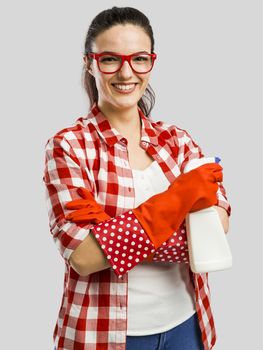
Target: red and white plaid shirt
<point>92,154</point>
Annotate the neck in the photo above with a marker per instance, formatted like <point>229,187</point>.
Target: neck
<point>125,121</point>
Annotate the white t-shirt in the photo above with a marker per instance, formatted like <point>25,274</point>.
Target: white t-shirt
<point>160,294</point>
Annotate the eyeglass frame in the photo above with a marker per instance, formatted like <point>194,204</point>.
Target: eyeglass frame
<point>127,58</point>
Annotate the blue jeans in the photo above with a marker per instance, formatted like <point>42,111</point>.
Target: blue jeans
<point>185,336</point>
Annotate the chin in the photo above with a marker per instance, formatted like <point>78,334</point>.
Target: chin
<point>127,104</point>
<point>126,101</point>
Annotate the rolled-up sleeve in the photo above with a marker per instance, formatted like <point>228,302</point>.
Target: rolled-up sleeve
<point>62,176</point>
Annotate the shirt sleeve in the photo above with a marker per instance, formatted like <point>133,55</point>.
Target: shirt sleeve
<point>62,176</point>
<point>189,149</point>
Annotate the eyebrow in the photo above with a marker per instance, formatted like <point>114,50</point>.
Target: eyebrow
<point>120,53</point>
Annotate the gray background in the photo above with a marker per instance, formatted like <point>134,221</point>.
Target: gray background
<point>207,79</point>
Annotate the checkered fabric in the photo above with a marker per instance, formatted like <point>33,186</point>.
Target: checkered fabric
<point>92,154</point>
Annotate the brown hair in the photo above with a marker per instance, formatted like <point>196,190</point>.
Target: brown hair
<point>103,21</point>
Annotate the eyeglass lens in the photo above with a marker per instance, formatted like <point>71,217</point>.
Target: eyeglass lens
<point>140,63</point>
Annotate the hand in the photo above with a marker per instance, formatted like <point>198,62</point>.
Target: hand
<point>191,191</point>
<point>223,216</point>
<point>199,185</point>
<point>87,209</point>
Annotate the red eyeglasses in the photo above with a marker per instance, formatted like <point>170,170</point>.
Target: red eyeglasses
<point>110,62</point>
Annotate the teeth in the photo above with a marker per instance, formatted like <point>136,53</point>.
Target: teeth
<point>124,87</point>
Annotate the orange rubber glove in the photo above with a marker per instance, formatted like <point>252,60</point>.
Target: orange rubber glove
<point>87,209</point>
<point>162,214</point>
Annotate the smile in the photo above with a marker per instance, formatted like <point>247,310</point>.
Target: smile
<point>124,88</point>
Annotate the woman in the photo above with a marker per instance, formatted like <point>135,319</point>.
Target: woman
<point>117,198</point>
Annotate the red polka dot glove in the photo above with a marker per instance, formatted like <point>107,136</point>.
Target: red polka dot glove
<point>174,250</point>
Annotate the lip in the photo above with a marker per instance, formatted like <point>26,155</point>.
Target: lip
<point>124,91</point>
<point>132,82</point>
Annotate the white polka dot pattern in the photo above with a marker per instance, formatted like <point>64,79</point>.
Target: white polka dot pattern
<point>124,242</point>
<point>175,249</point>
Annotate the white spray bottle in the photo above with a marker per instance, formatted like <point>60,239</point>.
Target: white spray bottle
<point>207,243</point>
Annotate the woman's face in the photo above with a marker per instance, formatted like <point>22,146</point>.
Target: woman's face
<point>122,39</point>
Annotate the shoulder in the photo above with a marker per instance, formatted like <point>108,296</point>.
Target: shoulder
<point>71,135</point>
<point>180,141</point>
<point>173,132</point>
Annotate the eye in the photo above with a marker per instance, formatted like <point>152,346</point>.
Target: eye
<point>108,59</point>
<point>141,58</point>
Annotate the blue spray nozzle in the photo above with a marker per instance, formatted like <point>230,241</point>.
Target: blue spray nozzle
<point>217,159</point>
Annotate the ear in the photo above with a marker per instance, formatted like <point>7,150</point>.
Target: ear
<point>87,64</point>
<point>90,71</point>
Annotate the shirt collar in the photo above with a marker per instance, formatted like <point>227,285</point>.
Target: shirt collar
<point>110,135</point>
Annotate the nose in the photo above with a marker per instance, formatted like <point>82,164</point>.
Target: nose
<point>126,70</point>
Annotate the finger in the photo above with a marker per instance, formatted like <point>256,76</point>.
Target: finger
<point>86,211</point>
<point>82,212</point>
<point>77,204</point>
<point>84,193</point>
<point>218,170</point>
<point>219,176</point>
<point>212,166</point>
<point>92,219</point>
<point>104,216</point>
<point>84,218</point>
<point>82,203</point>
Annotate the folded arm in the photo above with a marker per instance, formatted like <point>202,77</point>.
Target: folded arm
<point>62,177</point>
<point>76,242</point>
